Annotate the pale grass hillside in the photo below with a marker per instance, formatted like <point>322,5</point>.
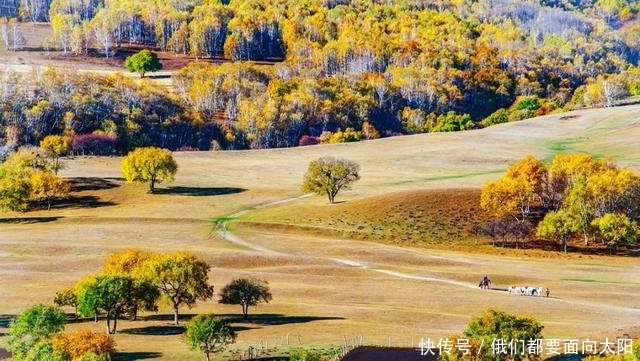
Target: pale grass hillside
<point>328,287</point>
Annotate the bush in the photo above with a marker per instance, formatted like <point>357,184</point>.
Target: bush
<point>307,140</point>
<point>527,103</point>
<point>83,345</point>
<point>304,355</point>
<point>499,116</point>
<point>94,144</point>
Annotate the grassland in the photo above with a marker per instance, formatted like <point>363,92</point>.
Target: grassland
<point>331,278</point>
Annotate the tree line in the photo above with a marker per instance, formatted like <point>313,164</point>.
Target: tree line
<point>576,194</point>
<point>349,71</point>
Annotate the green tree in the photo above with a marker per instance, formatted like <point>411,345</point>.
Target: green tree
<point>208,334</point>
<point>245,292</point>
<point>559,225</point>
<point>116,296</point>
<point>329,175</point>
<point>142,62</point>
<point>497,325</point>
<point>495,328</point>
<point>29,335</point>
<point>615,229</point>
<point>181,278</point>
<point>149,165</point>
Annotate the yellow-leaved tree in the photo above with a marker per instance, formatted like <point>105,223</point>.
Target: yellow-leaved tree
<point>45,186</point>
<point>149,165</point>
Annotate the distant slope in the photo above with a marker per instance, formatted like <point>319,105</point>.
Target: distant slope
<point>426,161</point>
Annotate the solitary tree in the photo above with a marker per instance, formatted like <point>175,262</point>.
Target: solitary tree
<point>329,175</point>
<point>142,62</point>
<point>245,292</point>
<point>149,165</point>
<point>209,334</point>
<point>32,330</point>
<point>181,278</point>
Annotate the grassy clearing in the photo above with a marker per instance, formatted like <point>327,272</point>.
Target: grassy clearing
<point>330,280</point>
<point>441,217</point>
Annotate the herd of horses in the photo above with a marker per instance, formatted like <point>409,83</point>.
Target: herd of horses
<point>485,283</point>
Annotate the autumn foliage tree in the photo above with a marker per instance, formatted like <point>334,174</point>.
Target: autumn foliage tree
<point>74,346</point>
<point>149,165</point>
<point>181,278</point>
<point>46,186</point>
<point>574,194</point>
<point>56,146</point>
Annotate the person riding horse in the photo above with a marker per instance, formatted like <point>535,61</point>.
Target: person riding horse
<point>485,282</point>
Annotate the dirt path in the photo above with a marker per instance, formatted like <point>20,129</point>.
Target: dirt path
<point>235,239</point>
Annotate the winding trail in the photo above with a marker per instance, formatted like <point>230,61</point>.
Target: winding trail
<point>225,234</point>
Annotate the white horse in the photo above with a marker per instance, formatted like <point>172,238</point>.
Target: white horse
<point>525,290</point>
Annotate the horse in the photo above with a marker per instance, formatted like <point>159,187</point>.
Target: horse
<point>484,283</point>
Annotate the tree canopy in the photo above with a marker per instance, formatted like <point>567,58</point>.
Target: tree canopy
<point>500,331</point>
<point>181,278</point>
<point>143,62</point>
<point>116,295</point>
<point>574,194</point>
<point>329,176</point>
<point>245,292</point>
<point>370,67</point>
<point>208,334</point>
<point>30,333</point>
<point>149,165</point>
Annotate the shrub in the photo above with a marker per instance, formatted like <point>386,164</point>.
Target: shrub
<point>307,140</point>
<point>94,144</point>
<point>83,345</point>
<point>499,116</point>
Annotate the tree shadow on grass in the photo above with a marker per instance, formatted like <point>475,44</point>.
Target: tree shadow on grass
<point>27,220</point>
<point>79,184</point>
<point>5,320</point>
<point>199,191</point>
<point>276,319</point>
<point>131,356</point>
<point>80,202</point>
<point>155,330</point>
<point>168,317</point>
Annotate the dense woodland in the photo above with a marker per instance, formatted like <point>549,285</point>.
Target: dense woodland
<point>335,70</point>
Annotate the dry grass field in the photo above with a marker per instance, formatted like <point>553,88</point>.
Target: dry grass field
<point>338,283</point>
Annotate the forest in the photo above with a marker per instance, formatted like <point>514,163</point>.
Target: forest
<point>288,73</point>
